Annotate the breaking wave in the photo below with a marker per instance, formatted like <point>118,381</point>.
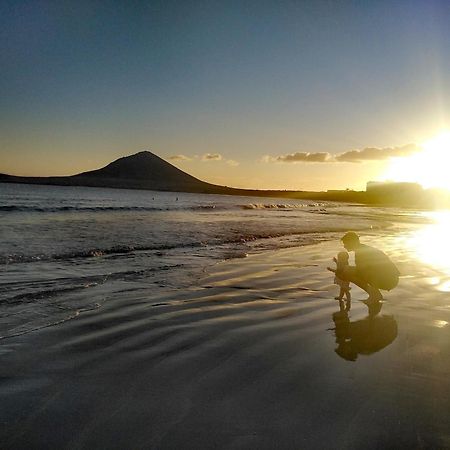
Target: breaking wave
<point>236,239</point>
<point>206,207</point>
<point>281,205</point>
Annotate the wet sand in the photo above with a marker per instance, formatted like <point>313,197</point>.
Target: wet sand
<point>258,355</point>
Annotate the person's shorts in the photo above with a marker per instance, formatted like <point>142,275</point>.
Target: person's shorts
<point>386,279</point>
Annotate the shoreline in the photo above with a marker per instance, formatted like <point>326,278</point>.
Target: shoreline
<point>245,360</point>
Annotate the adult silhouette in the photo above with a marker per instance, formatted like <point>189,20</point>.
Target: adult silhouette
<point>373,270</point>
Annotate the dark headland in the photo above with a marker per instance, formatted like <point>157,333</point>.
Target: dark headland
<point>145,170</point>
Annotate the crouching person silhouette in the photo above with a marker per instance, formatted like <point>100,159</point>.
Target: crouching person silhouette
<point>373,270</point>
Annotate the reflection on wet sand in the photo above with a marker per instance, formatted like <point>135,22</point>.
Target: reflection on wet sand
<point>431,244</point>
<point>363,337</point>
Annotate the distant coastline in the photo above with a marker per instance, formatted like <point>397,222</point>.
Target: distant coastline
<point>146,171</point>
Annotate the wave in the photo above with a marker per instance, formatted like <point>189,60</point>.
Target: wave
<point>280,205</point>
<point>214,242</point>
<point>92,253</point>
<point>65,286</point>
<point>49,209</point>
<point>82,208</point>
<point>112,208</point>
<point>127,249</point>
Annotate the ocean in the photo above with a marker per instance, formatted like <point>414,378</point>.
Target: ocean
<point>64,250</point>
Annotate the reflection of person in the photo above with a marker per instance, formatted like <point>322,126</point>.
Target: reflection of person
<point>373,269</point>
<point>344,286</point>
<point>362,337</point>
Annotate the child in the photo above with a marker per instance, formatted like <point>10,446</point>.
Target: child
<point>341,263</point>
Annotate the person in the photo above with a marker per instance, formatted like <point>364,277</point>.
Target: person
<point>373,270</point>
<point>344,285</point>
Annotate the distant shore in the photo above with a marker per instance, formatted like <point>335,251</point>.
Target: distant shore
<point>424,200</point>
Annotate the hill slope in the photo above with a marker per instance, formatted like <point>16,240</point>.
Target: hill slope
<point>143,170</point>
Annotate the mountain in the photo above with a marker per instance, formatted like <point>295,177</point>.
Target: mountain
<point>143,170</point>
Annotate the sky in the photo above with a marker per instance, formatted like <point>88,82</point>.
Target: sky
<point>309,95</point>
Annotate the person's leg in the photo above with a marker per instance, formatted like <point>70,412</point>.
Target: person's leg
<point>341,294</point>
<point>350,274</point>
<point>348,300</point>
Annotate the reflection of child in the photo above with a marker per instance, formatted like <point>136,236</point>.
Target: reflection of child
<point>341,263</point>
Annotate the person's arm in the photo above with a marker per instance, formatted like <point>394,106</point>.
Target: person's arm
<point>363,259</point>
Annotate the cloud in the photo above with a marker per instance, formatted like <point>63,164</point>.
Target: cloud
<point>179,158</point>
<point>354,156</point>
<point>212,157</point>
<point>377,154</point>
<point>304,157</point>
<point>232,162</point>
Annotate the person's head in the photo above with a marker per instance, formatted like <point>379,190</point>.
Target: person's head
<point>342,257</point>
<point>350,240</point>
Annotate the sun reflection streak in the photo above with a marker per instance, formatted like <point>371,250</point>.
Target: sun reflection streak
<point>432,244</point>
<point>440,323</point>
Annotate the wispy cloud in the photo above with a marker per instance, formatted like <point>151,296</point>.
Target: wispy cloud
<point>318,157</point>
<point>354,156</point>
<point>268,159</point>
<point>232,162</point>
<point>305,157</point>
<point>179,158</point>
<point>377,154</point>
<point>211,157</point>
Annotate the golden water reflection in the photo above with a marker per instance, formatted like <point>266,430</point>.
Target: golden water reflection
<point>431,243</point>
<point>440,323</point>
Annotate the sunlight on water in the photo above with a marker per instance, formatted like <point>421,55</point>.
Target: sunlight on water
<point>440,323</point>
<point>432,244</point>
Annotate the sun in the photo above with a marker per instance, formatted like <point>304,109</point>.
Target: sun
<point>430,167</point>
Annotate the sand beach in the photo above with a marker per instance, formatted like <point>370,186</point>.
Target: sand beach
<point>256,354</point>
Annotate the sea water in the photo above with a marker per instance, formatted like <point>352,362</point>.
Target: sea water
<point>65,250</point>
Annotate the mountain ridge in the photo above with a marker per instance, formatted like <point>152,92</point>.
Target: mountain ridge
<point>142,170</point>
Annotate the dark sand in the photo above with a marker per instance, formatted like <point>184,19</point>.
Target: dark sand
<point>245,360</point>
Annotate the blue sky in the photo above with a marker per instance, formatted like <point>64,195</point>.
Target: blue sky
<point>83,83</point>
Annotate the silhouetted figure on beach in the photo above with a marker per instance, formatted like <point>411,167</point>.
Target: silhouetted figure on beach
<point>373,270</point>
<point>344,285</point>
<point>362,337</point>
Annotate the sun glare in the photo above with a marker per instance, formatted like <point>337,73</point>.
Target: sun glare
<point>432,246</point>
<point>429,167</point>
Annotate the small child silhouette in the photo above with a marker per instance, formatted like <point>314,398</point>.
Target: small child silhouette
<point>341,262</point>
